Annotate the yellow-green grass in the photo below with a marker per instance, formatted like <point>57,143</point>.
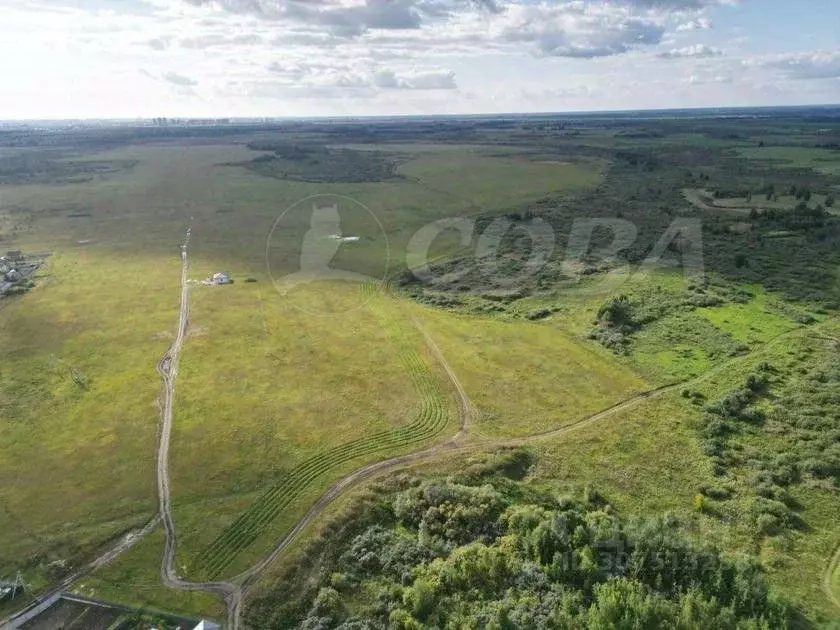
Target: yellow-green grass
<point>232,210</point>
<point>78,414</point>
<point>486,181</point>
<point>81,462</point>
<point>134,579</point>
<point>684,345</point>
<point>674,348</point>
<point>265,386</point>
<point>335,512</point>
<point>648,460</point>
<point>526,377</point>
<point>834,580</point>
<point>824,160</point>
<point>680,345</point>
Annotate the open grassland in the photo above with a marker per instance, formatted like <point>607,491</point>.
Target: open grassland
<point>833,577</point>
<point>487,181</point>
<point>147,207</point>
<point>272,403</point>
<point>678,344</point>
<point>824,160</point>
<point>308,399</point>
<point>647,459</point>
<point>134,579</point>
<point>761,319</point>
<point>276,399</point>
<point>526,378</point>
<point>78,418</point>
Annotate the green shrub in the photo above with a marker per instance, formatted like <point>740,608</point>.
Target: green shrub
<point>553,564</point>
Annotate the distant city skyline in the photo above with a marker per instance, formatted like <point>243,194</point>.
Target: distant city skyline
<point>70,59</point>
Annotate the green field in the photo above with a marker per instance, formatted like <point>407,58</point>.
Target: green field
<point>254,402</point>
<point>527,378</point>
<point>283,389</point>
<point>483,181</point>
<point>824,160</point>
<point>296,419</point>
<point>79,456</point>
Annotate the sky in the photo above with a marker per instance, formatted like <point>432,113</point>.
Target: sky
<point>62,59</point>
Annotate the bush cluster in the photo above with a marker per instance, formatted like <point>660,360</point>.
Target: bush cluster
<point>483,556</point>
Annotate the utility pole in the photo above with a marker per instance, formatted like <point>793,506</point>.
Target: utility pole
<point>18,583</point>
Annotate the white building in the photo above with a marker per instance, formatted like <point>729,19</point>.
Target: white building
<point>219,278</point>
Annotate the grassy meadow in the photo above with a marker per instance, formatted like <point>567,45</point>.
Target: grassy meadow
<point>283,389</point>
<point>524,377</point>
<point>823,160</point>
<point>79,412</point>
<point>264,385</point>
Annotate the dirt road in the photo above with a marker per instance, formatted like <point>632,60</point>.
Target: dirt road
<point>465,415</point>
<point>168,369</point>
<point>125,543</point>
<point>233,590</point>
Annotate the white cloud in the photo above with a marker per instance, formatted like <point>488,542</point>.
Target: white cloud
<point>698,24</point>
<point>569,28</point>
<point>428,80</point>
<point>820,64</point>
<point>696,79</point>
<point>259,57</point>
<point>679,5</point>
<point>214,40</point>
<point>697,51</point>
<point>579,30</point>
<point>352,76</point>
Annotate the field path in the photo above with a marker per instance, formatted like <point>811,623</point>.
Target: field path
<point>465,406</point>
<point>125,543</point>
<point>232,591</point>
<point>465,415</point>
<point>168,369</point>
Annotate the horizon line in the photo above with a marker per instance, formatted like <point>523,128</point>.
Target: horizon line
<point>446,115</point>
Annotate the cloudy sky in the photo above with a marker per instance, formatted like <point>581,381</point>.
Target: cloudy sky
<point>144,58</point>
